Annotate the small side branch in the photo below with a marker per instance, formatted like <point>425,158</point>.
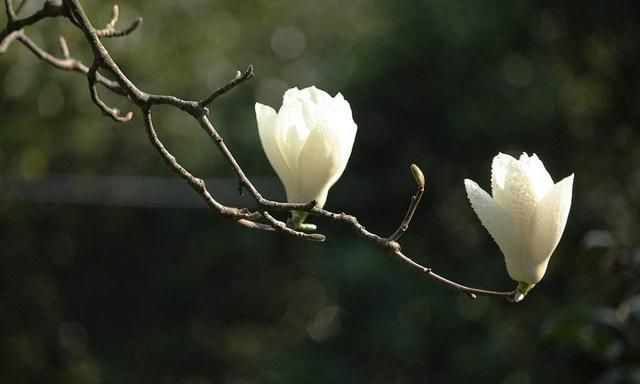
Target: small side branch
<point>239,78</point>
<point>415,200</point>
<point>20,6</point>
<point>114,113</point>
<point>242,216</point>
<point>49,9</point>
<point>67,63</point>
<point>196,183</point>
<point>11,14</point>
<point>111,31</point>
<point>8,39</point>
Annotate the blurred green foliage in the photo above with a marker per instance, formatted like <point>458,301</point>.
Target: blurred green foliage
<point>102,294</point>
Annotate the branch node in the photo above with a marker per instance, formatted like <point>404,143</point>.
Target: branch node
<point>394,246</point>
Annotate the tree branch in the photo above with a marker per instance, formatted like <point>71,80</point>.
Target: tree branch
<point>197,109</point>
<point>114,113</point>
<point>240,77</point>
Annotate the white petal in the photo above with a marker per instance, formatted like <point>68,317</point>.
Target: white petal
<point>312,95</point>
<point>341,124</point>
<point>314,134</point>
<point>537,174</point>
<point>293,129</point>
<point>500,226</point>
<point>319,166</point>
<point>549,222</point>
<point>499,169</point>
<point>268,131</point>
<point>513,190</point>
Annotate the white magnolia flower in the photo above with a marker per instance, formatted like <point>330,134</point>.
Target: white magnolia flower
<point>308,142</point>
<point>526,215</point>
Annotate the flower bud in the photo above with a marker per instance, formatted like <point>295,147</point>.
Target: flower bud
<point>308,142</point>
<point>526,214</point>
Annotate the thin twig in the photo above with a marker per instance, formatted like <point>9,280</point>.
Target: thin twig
<point>415,200</point>
<point>110,29</point>
<point>114,113</point>
<point>239,78</point>
<point>115,14</point>
<point>64,48</point>
<point>20,6</point>
<point>68,63</point>
<point>13,32</point>
<point>469,291</point>
<point>49,9</point>
<point>8,39</point>
<point>11,15</point>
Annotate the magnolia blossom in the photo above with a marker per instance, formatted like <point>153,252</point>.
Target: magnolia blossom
<point>526,214</point>
<point>308,142</point>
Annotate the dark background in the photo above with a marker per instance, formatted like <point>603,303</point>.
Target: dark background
<point>112,271</point>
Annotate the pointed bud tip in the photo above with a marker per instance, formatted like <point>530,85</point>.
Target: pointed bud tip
<point>418,175</point>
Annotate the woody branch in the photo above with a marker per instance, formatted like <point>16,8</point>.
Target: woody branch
<point>260,217</point>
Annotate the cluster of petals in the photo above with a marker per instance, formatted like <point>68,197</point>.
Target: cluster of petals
<point>308,141</point>
<point>525,214</point>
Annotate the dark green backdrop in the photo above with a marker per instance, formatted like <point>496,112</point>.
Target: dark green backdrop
<point>111,270</point>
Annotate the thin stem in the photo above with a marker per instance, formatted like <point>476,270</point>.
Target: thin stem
<point>469,291</point>
<point>239,78</point>
<point>114,113</point>
<point>21,6</point>
<point>415,200</point>
<point>11,15</point>
<point>110,29</point>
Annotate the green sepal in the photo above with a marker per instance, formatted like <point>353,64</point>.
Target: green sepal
<point>297,222</point>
